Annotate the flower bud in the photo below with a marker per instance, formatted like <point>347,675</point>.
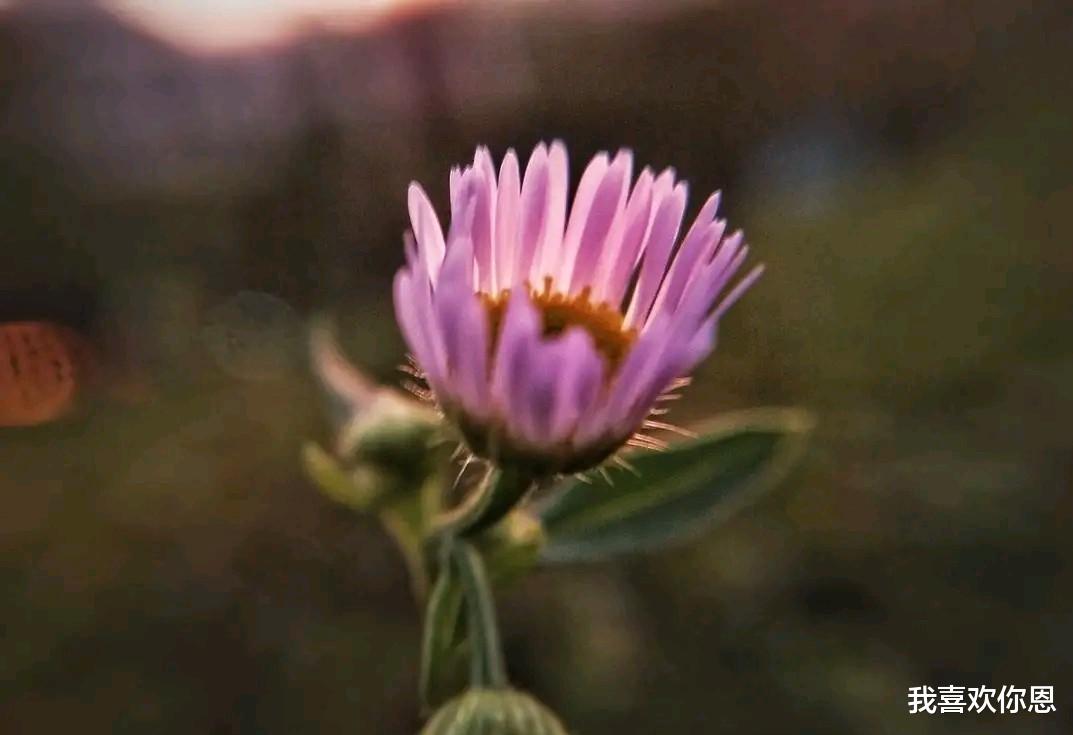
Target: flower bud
<point>385,443</point>
<point>512,547</point>
<point>382,427</point>
<point>494,712</point>
<point>390,431</point>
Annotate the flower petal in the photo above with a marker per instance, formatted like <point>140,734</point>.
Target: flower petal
<point>518,332</point>
<point>537,399</point>
<point>533,214</point>
<point>561,266</point>
<point>710,279</point>
<point>460,261</point>
<point>606,422</point>
<point>550,250</point>
<point>581,375</point>
<point>507,220</point>
<point>480,187</point>
<point>701,238</point>
<point>658,246</point>
<point>659,361</point>
<point>607,206</point>
<point>413,307</point>
<point>463,323</point>
<point>687,263</point>
<point>484,220</point>
<point>624,244</point>
<point>427,230</point>
<point>738,291</point>
<point>456,192</point>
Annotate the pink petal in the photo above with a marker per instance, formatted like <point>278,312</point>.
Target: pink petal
<point>520,329</point>
<point>738,291</point>
<point>606,421</point>
<point>624,244</point>
<point>662,189</point>
<point>683,353</point>
<point>482,161</point>
<point>413,307</point>
<point>665,358</point>
<point>561,267</point>
<point>478,188</point>
<point>550,250</point>
<point>534,208</point>
<point>687,262</point>
<point>426,227</point>
<point>700,344</point>
<point>463,218</point>
<point>709,280</point>
<point>608,204</point>
<point>539,393</point>
<point>658,246</point>
<point>700,239</point>
<point>456,191</point>
<point>409,247</point>
<point>581,375</point>
<point>463,323</point>
<point>507,220</point>
<point>728,250</point>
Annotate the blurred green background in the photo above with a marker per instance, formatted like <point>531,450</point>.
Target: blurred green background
<point>903,168</point>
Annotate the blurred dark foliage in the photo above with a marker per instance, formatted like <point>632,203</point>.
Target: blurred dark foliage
<point>903,169</point>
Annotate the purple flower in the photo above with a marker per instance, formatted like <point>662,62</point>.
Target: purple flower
<point>548,339</point>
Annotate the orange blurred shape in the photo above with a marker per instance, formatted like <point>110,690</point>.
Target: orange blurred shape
<point>44,369</point>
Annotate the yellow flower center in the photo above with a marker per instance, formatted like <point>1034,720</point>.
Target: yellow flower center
<point>559,311</point>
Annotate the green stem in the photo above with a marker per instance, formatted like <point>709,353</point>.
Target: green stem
<point>500,491</point>
<point>438,638</point>
<point>487,669</point>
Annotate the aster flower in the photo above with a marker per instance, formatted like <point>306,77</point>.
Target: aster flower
<point>549,338</point>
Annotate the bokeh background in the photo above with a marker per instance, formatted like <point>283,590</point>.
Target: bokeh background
<point>188,184</point>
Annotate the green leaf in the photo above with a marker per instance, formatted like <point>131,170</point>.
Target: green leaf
<point>675,494</point>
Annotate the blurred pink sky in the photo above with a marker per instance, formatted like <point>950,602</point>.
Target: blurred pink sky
<point>225,24</point>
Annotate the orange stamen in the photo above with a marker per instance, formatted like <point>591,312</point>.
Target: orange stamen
<point>560,311</point>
